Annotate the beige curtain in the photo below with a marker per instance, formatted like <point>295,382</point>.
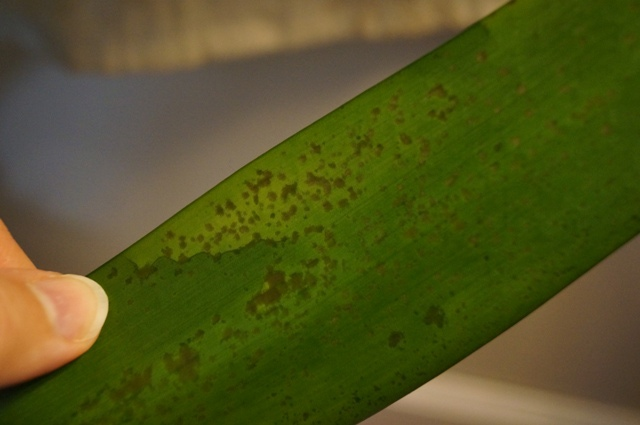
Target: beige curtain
<point>115,36</point>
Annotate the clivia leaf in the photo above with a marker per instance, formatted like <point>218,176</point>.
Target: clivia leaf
<point>379,246</point>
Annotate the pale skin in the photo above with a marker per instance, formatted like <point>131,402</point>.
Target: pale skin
<point>46,319</point>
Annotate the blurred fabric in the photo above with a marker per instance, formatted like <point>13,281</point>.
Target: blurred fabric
<point>116,36</point>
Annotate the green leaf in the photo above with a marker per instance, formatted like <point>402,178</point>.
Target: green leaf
<point>379,246</point>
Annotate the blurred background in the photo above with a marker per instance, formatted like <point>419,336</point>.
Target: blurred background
<point>92,159</point>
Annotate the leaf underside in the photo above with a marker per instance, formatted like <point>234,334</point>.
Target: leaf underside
<point>381,245</point>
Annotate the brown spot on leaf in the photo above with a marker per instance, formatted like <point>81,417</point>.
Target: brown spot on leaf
<point>275,287</point>
<point>288,190</point>
<point>131,384</point>
<point>405,139</point>
<point>322,182</point>
<point>313,229</point>
<point>339,183</point>
<point>438,91</point>
<point>184,363</point>
<point>315,148</point>
<point>290,213</point>
<point>395,338</point>
<point>263,180</point>
<point>329,238</point>
<point>434,316</point>
<point>255,358</point>
<point>144,272</point>
<point>112,273</point>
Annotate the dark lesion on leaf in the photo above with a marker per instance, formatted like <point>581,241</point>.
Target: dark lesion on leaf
<point>276,287</point>
<point>185,363</point>
<point>434,316</point>
<point>288,190</point>
<point>320,181</point>
<point>112,273</point>
<point>395,338</point>
<point>131,384</point>
<point>438,91</point>
<point>145,271</point>
<point>263,180</point>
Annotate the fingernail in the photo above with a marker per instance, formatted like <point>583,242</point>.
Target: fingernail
<point>76,306</point>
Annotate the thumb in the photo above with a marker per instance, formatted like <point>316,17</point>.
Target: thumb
<point>46,320</point>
